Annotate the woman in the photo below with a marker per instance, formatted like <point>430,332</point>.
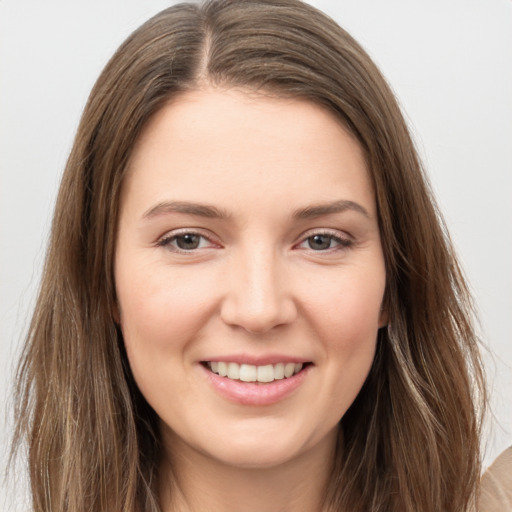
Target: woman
<point>249,298</point>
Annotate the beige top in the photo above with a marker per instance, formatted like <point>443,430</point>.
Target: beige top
<point>496,485</point>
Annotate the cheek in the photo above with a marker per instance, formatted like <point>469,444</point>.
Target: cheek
<point>346,317</point>
<point>156,323</point>
<point>157,308</point>
<point>348,309</point>
<point>161,315</point>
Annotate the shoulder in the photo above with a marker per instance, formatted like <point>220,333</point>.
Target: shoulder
<point>496,485</point>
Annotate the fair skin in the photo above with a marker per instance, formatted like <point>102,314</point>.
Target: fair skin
<point>248,243</point>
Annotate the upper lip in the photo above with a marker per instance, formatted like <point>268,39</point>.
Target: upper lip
<point>260,360</point>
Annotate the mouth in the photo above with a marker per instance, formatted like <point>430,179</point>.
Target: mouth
<point>253,373</point>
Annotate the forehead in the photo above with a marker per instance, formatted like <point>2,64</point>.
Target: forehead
<point>257,147</point>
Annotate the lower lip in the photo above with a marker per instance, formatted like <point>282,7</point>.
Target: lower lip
<point>255,393</point>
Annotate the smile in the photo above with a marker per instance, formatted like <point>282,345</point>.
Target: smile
<point>256,384</point>
<point>252,373</point>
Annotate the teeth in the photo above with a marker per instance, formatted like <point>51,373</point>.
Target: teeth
<point>223,369</point>
<point>233,371</point>
<point>265,373</point>
<point>252,373</point>
<point>279,371</point>
<point>248,372</point>
<point>289,368</point>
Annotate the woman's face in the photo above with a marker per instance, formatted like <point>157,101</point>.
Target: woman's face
<point>248,243</point>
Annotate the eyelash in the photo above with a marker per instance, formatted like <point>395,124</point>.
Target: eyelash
<point>169,239</point>
<point>333,237</point>
<point>341,242</point>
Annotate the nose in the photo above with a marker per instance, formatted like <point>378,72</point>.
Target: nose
<point>259,294</point>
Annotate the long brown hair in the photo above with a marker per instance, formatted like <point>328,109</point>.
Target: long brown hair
<point>410,441</point>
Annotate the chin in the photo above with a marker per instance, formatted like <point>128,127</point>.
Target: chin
<point>256,456</point>
<point>265,448</point>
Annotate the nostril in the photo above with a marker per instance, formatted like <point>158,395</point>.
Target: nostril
<point>258,318</point>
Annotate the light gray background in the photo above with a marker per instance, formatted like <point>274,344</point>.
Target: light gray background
<point>450,63</point>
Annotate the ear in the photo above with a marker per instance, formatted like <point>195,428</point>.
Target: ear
<point>116,315</point>
<point>383,317</point>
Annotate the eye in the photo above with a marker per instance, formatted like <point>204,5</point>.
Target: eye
<point>185,241</point>
<point>324,242</point>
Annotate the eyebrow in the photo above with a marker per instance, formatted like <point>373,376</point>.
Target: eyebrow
<point>212,212</point>
<point>312,212</point>
<point>200,210</point>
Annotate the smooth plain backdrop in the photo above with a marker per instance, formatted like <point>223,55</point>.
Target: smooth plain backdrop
<point>449,62</point>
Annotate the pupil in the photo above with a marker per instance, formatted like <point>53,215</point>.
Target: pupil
<point>188,241</point>
<point>319,242</point>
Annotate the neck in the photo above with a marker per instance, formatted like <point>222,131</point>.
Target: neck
<point>191,481</point>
